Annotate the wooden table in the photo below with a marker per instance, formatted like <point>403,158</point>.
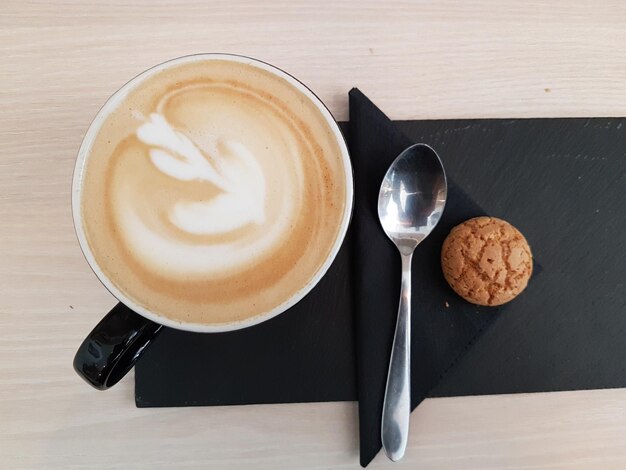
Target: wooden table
<point>59,61</point>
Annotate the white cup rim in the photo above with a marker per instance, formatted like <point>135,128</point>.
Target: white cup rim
<point>83,153</point>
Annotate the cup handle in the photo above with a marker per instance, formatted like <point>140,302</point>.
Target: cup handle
<point>114,346</point>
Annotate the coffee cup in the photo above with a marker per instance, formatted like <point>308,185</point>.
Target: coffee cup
<point>211,193</point>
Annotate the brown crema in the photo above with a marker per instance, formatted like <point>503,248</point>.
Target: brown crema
<point>213,192</point>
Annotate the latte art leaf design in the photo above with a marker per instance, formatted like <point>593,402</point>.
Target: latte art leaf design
<point>233,169</point>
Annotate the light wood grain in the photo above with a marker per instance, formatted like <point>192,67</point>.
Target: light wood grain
<point>59,61</point>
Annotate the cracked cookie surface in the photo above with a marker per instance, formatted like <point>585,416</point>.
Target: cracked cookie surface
<point>486,261</point>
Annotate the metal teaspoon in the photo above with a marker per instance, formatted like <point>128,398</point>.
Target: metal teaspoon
<point>410,203</point>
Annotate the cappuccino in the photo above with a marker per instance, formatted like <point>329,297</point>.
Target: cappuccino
<point>213,192</point>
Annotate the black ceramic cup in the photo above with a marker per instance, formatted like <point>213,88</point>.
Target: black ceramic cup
<point>122,336</point>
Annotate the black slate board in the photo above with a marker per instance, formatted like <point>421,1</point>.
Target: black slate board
<point>562,182</point>
<point>305,354</point>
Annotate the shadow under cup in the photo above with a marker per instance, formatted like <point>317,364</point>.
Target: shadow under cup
<point>122,336</point>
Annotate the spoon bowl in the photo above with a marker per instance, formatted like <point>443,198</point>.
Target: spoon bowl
<point>410,203</point>
<point>412,196</point>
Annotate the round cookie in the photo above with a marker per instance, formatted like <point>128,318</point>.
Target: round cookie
<point>486,261</point>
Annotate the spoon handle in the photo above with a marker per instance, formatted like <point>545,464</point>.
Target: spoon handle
<point>397,404</point>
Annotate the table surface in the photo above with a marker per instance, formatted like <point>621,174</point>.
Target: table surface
<point>59,61</point>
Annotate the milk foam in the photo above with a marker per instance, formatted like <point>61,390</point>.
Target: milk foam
<point>213,193</point>
<point>230,166</point>
<point>235,172</point>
